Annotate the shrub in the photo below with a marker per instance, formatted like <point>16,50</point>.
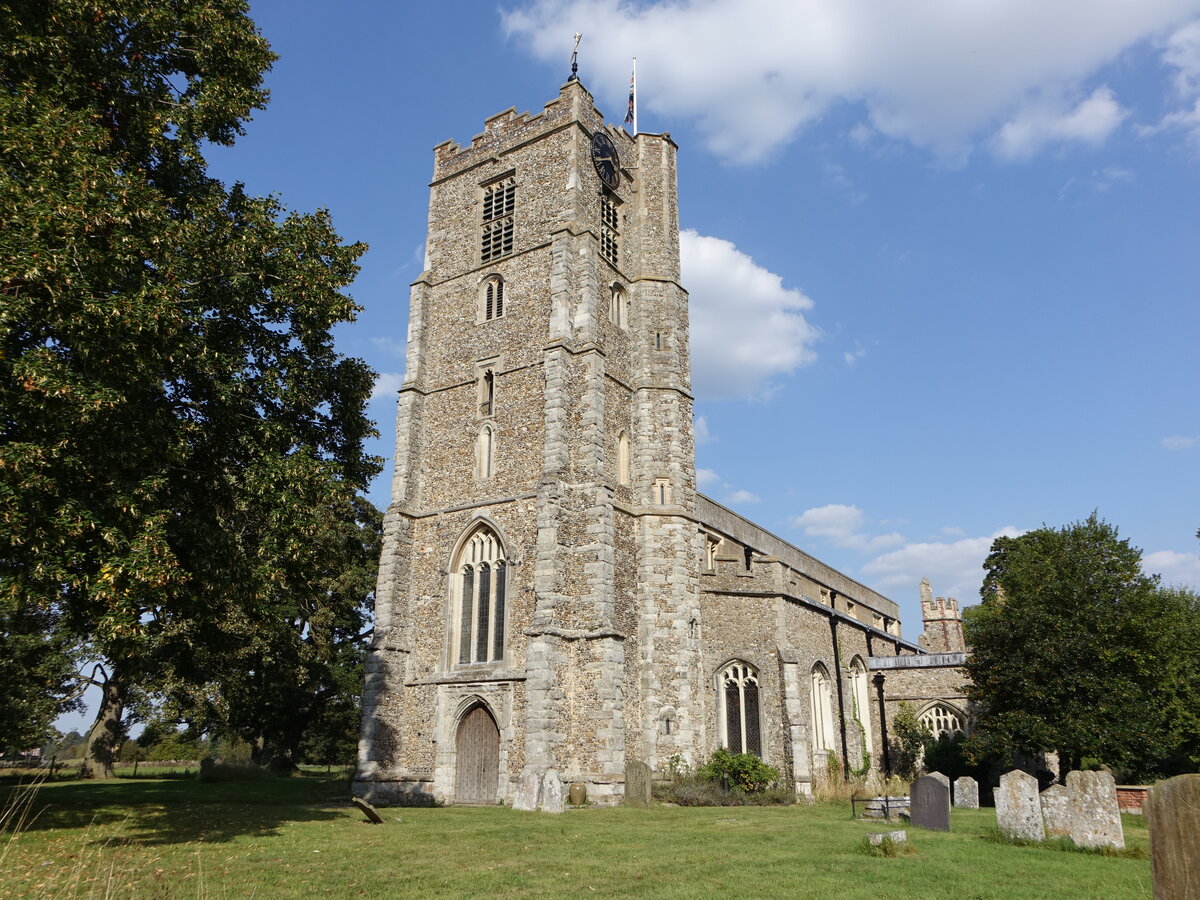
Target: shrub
<point>742,771</point>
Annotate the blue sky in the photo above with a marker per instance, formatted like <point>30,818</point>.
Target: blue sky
<point>943,259</point>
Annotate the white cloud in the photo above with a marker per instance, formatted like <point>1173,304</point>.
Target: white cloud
<point>706,478</point>
<point>390,345</point>
<point>1181,51</point>
<point>737,497</point>
<point>1178,442</point>
<point>843,525</point>
<point>753,73</point>
<point>953,567</point>
<point>387,384</point>
<point>1175,568</point>
<point>1045,122</point>
<point>745,325</point>
<point>853,356</point>
<point>703,435</point>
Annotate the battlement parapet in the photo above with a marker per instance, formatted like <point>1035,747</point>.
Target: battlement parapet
<point>940,608</point>
<point>509,129</point>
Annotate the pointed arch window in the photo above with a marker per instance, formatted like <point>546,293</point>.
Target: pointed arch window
<point>862,701</point>
<point>942,720</point>
<point>738,701</point>
<point>822,709</point>
<point>618,306</point>
<point>480,589</point>
<point>499,202</point>
<point>491,298</point>
<point>623,458</point>
<point>485,452</point>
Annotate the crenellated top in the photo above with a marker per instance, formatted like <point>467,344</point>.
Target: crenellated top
<point>509,129</point>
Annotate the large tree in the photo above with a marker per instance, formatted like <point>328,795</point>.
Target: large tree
<point>1075,649</point>
<point>175,419</point>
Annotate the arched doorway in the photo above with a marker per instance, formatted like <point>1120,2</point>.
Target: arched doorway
<point>477,752</point>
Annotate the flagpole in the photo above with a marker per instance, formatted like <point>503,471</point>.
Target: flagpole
<point>635,131</point>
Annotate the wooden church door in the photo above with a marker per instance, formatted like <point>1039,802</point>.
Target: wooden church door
<point>477,746</point>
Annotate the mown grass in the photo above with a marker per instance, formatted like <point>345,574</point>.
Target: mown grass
<point>294,837</point>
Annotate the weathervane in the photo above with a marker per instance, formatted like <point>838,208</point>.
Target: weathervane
<point>575,59</point>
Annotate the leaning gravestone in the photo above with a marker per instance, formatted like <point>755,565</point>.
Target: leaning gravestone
<point>1095,815</point>
<point>966,793</point>
<point>1172,811</point>
<point>931,802</point>
<point>637,783</point>
<point>552,792</point>
<point>1056,810</point>
<point>528,790</point>
<point>1018,811</point>
<point>367,810</point>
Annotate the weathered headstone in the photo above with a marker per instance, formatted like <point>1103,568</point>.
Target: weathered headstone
<point>966,793</point>
<point>528,791</point>
<point>1172,812</point>
<point>637,783</point>
<point>1018,809</point>
<point>1095,815</point>
<point>931,803</point>
<point>875,838</point>
<point>367,810</point>
<point>552,792</point>
<point>1056,810</point>
<point>944,779</point>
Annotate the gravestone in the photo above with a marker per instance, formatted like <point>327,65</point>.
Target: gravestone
<point>878,837</point>
<point>930,806</point>
<point>1095,815</point>
<point>966,793</point>
<point>637,783</point>
<point>1018,809</point>
<point>1056,810</point>
<point>367,810</point>
<point>552,792</point>
<point>528,791</point>
<point>944,779</point>
<point>1172,812</point>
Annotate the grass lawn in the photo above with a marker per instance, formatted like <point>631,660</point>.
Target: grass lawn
<point>295,837</point>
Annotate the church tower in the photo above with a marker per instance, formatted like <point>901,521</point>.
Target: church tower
<point>538,599</point>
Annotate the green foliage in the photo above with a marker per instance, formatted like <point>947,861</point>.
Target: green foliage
<point>1074,649</point>
<point>36,672</point>
<point>908,740</point>
<point>178,435</point>
<point>743,771</point>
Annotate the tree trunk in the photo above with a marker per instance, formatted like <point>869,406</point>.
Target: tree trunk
<point>104,737</point>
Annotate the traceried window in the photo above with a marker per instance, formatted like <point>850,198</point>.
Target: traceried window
<point>738,703</point>
<point>610,217</point>
<point>859,681</point>
<point>822,709</point>
<point>618,306</point>
<point>479,590</point>
<point>942,720</point>
<point>491,299</point>
<point>499,202</point>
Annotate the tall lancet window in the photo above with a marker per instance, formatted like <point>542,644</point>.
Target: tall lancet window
<point>822,709</point>
<point>479,589</point>
<point>737,685</point>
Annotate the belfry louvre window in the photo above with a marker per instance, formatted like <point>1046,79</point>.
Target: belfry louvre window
<point>737,687</point>
<point>481,583</point>
<point>609,228</point>
<point>499,202</point>
<point>493,298</point>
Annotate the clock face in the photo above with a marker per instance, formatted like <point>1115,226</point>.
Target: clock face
<point>605,159</point>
